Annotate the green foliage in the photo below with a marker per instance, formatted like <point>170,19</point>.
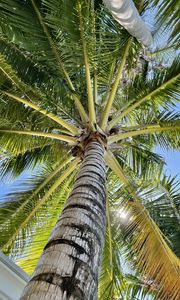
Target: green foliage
<point>43,79</point>
<point>168,17</point>
<point>41,227</point>
<point>16,217</point>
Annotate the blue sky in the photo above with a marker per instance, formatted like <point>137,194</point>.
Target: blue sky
<point>9,185</point>
<point>172,159</point>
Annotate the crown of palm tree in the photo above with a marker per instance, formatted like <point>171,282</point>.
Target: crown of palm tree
<point>69,71</point>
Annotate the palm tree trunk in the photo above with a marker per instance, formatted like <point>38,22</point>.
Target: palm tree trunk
<point>126,13</point>
<point>69,266</point>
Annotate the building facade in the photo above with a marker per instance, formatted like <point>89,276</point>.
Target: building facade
<point>12,279</point>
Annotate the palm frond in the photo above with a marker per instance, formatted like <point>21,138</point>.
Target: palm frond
<point>164,208</point>
<point>163,55</point>
<point>26,67</point>
<point>50,115</point>
<point>138,289</point>
<point>36,237</point>
<point>60,61</point>
<point>92,114</point>
<point>168,17</point>
<point>12,165</point>
<point>50,135</point>
<point>19,144</point>
<point>154,257</point>
<point>115,85</point>
<point>11,75</point>
<point>139,158</point>
<point>119,278</point>
<point>163,88</point>
<point>168,137</point>
<point>27,209</point>
<point>46,176</point>
<point>111,276</point>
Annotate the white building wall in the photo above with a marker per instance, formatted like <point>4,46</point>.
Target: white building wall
<point>12,279</point>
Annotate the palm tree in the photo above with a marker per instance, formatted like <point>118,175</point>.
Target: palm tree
<point>83,103</point>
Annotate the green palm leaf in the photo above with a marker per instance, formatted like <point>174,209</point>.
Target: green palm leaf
<point>168,16</point>
<point>163,89</point>
<point>152,250</point>
<point>26,209</point>
<point>54,206</point>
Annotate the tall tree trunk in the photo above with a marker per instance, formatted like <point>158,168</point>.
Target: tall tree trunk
<point>126,13</point>
<point>69,266</point>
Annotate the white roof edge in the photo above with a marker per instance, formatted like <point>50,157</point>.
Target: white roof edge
<point>13,267</point>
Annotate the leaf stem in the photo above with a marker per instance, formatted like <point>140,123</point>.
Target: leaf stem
<point>140,101</point>
<point>115,86</point>
<point>57,56</point>
<point>50,115</point>
<point>65,138</point>
<point>121,136</point>
<point>109,235</point>
<point>92,115</point>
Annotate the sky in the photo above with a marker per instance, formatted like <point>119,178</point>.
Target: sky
<point>11,185</point>
<point>172,159</point>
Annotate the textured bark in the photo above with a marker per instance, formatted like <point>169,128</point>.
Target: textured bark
<point>68,268</point>
<point>125,13</point>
